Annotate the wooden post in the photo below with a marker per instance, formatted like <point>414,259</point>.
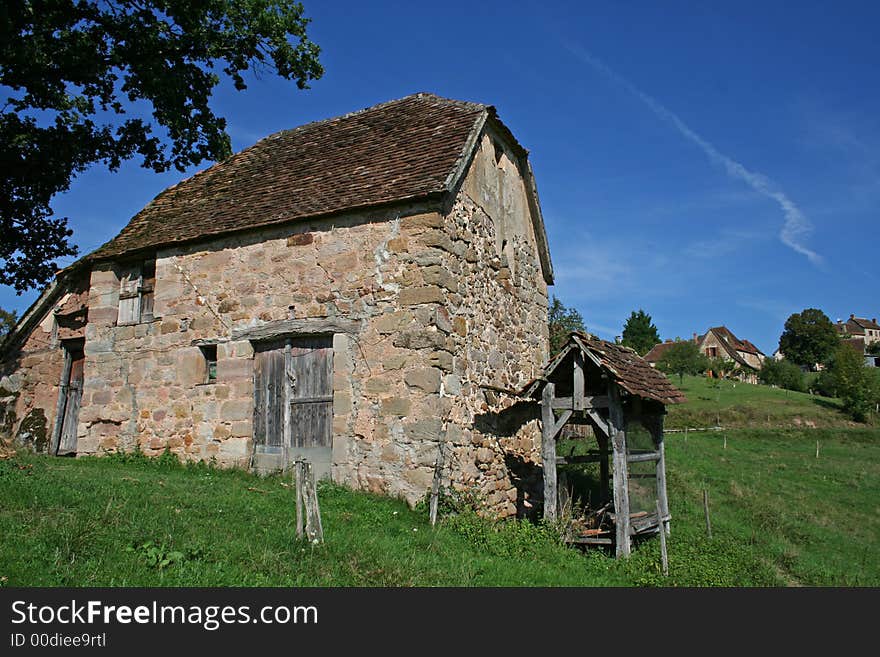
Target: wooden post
<point>706,511</point>
<point>817,449</point>
<point>548,450</point>
<point>298,484</point>
<point>725,441</point>
<point>621,479</point>
<point>435,486</point>
<point>314,529</point>
<point>663,555</point>
<point>577,400</point>
<point>662,499</point>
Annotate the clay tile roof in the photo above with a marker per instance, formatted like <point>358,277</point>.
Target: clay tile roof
<point>865,323</point>
<point>657,351</point>
<point>631,371</point>
<point>402,150</point>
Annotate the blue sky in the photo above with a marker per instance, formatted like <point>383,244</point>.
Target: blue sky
<point>711,163</point>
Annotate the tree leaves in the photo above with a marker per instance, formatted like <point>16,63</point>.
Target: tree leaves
<point>91,82</point>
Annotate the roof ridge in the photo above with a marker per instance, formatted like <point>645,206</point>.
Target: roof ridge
<point>464,104</point>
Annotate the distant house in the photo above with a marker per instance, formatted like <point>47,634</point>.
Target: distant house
<point>720,342</point>
<point>859,327</point>
<point>657,351</point>
<point>860,345</point>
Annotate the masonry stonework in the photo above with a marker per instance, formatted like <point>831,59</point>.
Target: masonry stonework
<point>451,305</point>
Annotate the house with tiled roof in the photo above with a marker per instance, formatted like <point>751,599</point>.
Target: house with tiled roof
<point>656,353</point>
<point>720,342</point>
<point>868,330</point>
<point>344,292</point>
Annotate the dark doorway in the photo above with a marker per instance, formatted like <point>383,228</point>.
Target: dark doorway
<point>70,397</point>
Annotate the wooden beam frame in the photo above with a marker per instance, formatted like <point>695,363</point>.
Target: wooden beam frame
<point>621,480</point>
<point>587,402</point>
<point>283,328</point>
<point>548,450</point>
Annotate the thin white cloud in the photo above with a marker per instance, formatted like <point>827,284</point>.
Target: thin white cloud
<point>796,228</point>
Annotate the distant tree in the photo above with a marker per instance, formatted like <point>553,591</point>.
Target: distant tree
<point>874,349</point>
<point>719,366</point>
<point>809,338</point>
<point>683,358</point>
<point>639,333</point>
<point>562,321</point>
<point>7,322</point>
<point>854,385</point>
<point>783,374</point>
<point>87,82</point>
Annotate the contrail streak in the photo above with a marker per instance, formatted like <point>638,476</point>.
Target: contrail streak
<point>796,228</point>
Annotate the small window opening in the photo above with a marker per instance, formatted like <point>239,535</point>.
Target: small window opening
<point>136,288</point>
<point>209,352</point>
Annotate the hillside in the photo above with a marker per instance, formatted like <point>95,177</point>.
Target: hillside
<point>779,517</point>
<point>714,402</point>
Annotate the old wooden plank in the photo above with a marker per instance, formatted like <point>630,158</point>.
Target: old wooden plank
<point>283,328</point>
<point>61,403</point>
<point>589,402</point>
<point>599,422</point>
<point>621,489</point>
<point>578,391</point>
<point>663,556</point>
<point>314,528</point>
<point>298,483</point>
<point>662,497</point>
<point>548,450</point>
<point>643,457</point>
<point>557,426</point>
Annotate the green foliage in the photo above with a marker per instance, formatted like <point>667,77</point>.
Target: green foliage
<point>639,333</point>
<point>719,366</point>
<point>562,321</point>
<point>682,358</point>
<point>809,338</point>
<point>68,68</point>
<point>157,556</point>
<point>873,348</point>
<point>7,322</point>
<point>783,374</point>
<point>854,384</point>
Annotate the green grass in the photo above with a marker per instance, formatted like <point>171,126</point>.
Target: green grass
<point>779,516</point>
<point>735,404</point>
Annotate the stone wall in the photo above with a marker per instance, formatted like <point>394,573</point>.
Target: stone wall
<point>448,303</point>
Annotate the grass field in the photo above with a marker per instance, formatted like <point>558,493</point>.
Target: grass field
<point>726,403</point>
<point>780,516</point>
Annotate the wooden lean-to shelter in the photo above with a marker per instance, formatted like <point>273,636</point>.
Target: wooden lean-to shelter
<point>612,389</point>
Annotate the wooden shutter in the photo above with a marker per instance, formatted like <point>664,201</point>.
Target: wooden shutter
<point>129,302</point>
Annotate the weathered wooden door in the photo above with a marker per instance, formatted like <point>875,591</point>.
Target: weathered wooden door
<point>293,403</point>
<point>72,395</point>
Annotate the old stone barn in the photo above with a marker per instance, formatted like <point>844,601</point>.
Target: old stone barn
<point>360,291</point>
